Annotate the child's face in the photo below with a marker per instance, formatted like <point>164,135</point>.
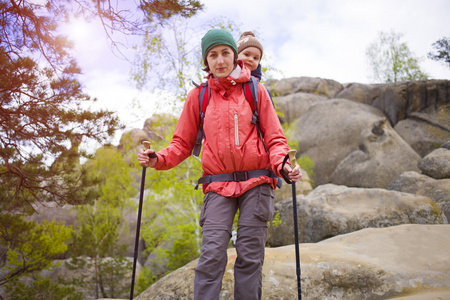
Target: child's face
<point>251,57</point>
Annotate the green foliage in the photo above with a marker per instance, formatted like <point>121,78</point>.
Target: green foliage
<point>144,279</point>
<point>43,112</point>
<point>95,245</point>
<point>161,10</point>
<point>29,247</point>
<point>95,242</point>
<point>392,61</point>
<point>45,116</point>
<point>276,220</point>
<point>164,64</point>
<point>170,59</point>
<point>442,47</point>
<point>307,164</point>
<point>171,208</point>
<point>185,245</point>
<point>289,131</point>
<point>114,174</point>
<point>41,288</point>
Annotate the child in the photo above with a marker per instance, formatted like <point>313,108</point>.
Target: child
<point>250,52</point>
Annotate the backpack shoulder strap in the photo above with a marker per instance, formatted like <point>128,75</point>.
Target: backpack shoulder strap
<point>251,94</point>
<point>203,101</point>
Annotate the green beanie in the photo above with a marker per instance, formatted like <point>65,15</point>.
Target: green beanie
<point>215,37</point>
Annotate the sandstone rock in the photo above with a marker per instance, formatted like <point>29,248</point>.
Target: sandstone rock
<point>446,145</point>
<point>159,124</point>
<point>303,187</point>
<point>427,294</point>
<point>419,184</point>
<point>325,87</point>
<point>436,164</point>
<point>422,136</point>
<point>361,93</point>
<point>367,264</point>
<point>133,137</point>
<point>330,210</point>
<point>382,156</point>
<point>153,129</point>
<point>401,99</point>
<point>293,106</point>
<point>50,211</point>
<point>330,131</point>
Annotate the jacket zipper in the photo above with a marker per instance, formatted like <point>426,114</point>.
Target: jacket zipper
<point>236,130</point>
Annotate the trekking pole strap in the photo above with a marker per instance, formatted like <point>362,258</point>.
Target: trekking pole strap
<point>288,181</point>
<point>238,176</point>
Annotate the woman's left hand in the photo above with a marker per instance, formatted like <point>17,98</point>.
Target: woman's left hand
<point>293,174</point>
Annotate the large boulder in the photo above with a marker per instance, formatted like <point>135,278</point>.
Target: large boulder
<point>382,155</point>
<point>358,92</point>
<point>153,130</point>
<point>436,164</point>
<point>420,184</point>
<point>293,106</point>
<point>330,131</point>
<point>330,210</point>
<point>399,100</point>
<point>368,264</point>
<point>423,132</point>
<point>302,187</point>
<point>313,85</point>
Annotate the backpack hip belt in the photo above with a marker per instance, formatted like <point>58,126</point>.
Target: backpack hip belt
<point>238,176</point>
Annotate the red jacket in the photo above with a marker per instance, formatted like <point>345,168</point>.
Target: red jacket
<point>231,141</point>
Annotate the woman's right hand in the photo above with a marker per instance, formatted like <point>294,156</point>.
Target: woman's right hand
<point>145,160</point>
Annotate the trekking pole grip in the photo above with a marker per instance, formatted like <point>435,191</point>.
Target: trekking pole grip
<point>292,161</point>
<point>146,145</point>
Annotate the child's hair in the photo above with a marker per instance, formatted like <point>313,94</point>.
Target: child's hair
<point>248,39</point>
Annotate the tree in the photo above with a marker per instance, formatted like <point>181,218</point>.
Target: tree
<point>392,61</point>
<point>170,226</point>
<point>43,107</point>
<point>170,59</point>
<point>44,113</point>
<point>96,241</point>
<point>27,247</point>
<point>442,47</point>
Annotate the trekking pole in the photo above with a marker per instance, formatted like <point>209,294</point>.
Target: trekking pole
<point>138,224</point>
<point>292,163</point>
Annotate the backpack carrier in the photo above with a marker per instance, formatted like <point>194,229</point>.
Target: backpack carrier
<point>251,95</point>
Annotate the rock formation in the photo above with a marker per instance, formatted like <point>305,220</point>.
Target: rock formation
<point>374,223</point>
<point>372,263</point>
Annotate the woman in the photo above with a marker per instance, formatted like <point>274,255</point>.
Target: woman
<point>231,144</point>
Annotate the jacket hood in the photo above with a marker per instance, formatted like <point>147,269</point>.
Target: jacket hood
<point>257,72</point>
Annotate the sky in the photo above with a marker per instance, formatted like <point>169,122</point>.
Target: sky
<point>312,38</point>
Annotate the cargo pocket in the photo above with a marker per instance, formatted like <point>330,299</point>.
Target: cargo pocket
<point>265,206</point>
<point>202,217</point>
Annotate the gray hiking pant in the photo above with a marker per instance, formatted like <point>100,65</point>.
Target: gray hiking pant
<point>256,207</point>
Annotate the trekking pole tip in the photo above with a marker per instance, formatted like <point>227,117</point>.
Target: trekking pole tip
<point>292,154</point>
<point>146,144</point>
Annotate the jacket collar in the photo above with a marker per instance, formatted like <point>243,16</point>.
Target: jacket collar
<point>240,74</point>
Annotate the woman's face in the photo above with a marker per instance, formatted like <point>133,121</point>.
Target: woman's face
<point>220,60</point>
